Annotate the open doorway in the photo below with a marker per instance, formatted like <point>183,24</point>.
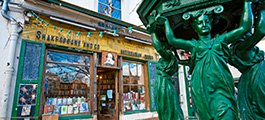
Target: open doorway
<point>106,93</point>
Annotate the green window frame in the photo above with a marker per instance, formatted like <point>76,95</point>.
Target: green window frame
<point>31,85</point>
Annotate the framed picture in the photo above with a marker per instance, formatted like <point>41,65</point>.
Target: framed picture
<point>27,94</point>
<point>109,59</point>
<point>26,110</point>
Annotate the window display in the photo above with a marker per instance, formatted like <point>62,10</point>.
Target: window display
<point>133,87</point>
<point>67,84</point>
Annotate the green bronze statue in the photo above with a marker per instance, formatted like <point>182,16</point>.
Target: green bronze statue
<point>249,60</point>
<point>166,98</point>
<point>212,83</point>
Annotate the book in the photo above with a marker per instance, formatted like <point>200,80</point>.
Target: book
<point>70,109</point>
<point>64,101</point>
<point>75,109</point>
<point>64,110</point>
<point>26,110</point>
<point>54,101</point>
<point>74,101</point>
<point>109,94</point>
<point>79,100</point>
<point>84,107</point>
<point>56,109</point>
<point>69,100</point>
<point>103,97</point>
<point>48,109</point>
<point>49,101</point>
<point>59,101</point>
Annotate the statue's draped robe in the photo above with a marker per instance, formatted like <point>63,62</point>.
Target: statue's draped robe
<point>251,87</point>
<point>166,97</point>
<point>212,83</point>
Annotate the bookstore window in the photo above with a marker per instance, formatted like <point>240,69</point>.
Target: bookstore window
<point>67,83</point>
<point>133,87</point>
<point>110,8</point>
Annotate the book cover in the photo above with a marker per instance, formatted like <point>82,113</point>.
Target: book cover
<point>26,110</point>
<point>74,101</point>
<point>59,101</point>
<point>70,101</point>
<point>49,101</point>
<point>48,109</point>
<point>103,97</point>
<point>54,101</point>
<point>64,101</point>
<point>70,109</point>
<point>83,107</point>
<point>79,100</point>
<point>75,109</point>
<point>56,109</point>
<point>64,110</point>
<point>109,94</point>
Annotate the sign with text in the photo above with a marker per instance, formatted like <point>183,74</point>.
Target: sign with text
<point>65,35</point>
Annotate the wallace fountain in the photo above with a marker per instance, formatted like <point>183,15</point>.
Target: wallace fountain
<point>215,33</point>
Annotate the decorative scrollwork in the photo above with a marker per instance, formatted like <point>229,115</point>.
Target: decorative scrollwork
<point>216,9</point>
<point>172,3</point>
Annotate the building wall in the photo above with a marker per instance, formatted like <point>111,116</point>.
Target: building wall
<point>31,35</point>
<point>128,9</point>
<point>129,13</point>
<point>6,86</point>
<point>88,4</point>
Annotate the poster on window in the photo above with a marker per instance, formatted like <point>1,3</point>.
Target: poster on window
<point>27,94</point>
<point>133,69</point>
<point>125,69</point>
<point>109,59</point>
<point>139,70</point>
<point>26,110</point>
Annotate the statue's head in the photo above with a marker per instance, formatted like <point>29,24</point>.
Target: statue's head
<point>202,24</point>
<point>201,19</point>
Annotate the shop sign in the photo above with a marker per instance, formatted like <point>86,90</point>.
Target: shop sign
<point>136,54</point>
<point>58,34</point>
<point>130,53</point>
<point>63,40</point>
<point>148,57</point>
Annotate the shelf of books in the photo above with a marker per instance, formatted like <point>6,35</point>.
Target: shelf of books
<point>67,85</point>
<point>65,99</point>
<point>106,91</point>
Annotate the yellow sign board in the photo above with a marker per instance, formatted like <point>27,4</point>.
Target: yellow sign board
<point>70,36</point>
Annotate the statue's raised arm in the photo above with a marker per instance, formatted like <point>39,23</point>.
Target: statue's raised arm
<point>172,40</point>
<point>249,60</point>
<point>259,30</point>
<point>246,23</point>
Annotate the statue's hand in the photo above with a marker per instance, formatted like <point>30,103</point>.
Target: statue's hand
<point>160,19</point>
<point>151,28</point>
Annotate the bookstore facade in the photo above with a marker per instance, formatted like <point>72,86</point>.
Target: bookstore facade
<point>69,72</point>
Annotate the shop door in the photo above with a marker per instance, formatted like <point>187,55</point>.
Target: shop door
<point>107,94</point>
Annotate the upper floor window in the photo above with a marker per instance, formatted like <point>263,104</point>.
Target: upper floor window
<point>110,8</point>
